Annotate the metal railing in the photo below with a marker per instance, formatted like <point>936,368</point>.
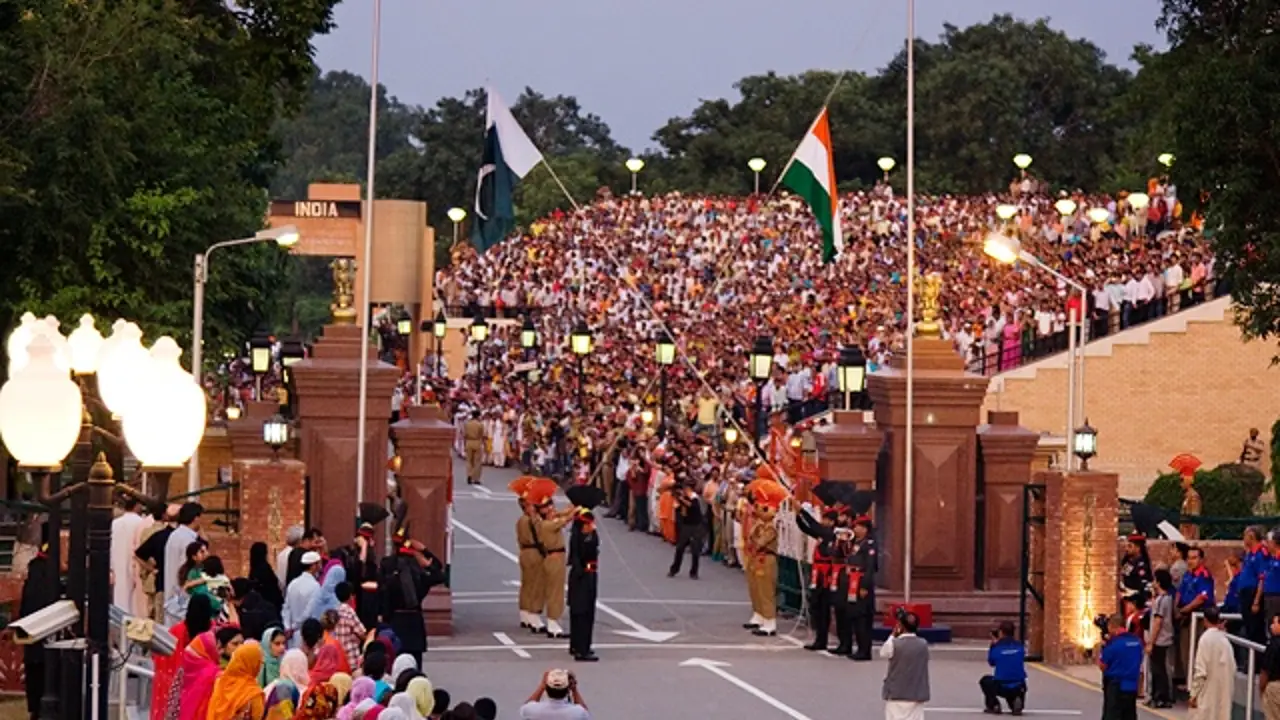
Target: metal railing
<point>1244,691</point>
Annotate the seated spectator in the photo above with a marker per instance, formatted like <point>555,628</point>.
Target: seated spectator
<point>486,709</point>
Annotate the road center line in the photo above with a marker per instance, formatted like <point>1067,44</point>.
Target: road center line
<point>508,642</point>
<point>980,711</point>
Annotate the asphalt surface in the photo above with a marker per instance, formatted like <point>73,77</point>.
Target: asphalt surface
<point>673,647</point>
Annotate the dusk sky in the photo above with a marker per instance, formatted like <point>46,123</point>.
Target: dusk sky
<point>639,64</point>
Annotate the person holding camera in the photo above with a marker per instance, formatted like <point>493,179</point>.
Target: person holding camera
<point>557,698</point>
<point>690,529</point>
<point>1008,679</point>
<point>906,684</point>
<point>1121,663</point>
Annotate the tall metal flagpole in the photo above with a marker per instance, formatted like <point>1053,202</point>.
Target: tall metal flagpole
<point>909,504</point>
<point>366,270</point>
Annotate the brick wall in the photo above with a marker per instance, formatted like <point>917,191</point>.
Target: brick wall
<point>272,499</point>
<point>1216,553</point>
<point>1197,391</point>
<point>1080,566</point>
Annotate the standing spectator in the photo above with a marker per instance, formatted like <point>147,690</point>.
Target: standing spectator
<point>1252,578</point>
<point>1195,594</point>
<point>1008,679</point>
<point>690,530</point>
<point>1121,663</point>
<point>299,595</point>
<point>263,578</point>
<point>125,536</point>
<point>350,631</point>
<point>291,538</point>
<point>906,684</point>
<point>1161,641</point>
<point>151,556</point>
<point>175,554</point>
<point>1213,677</point>
<point>1269,672</point>
<point>557,698</point>
<point>1251,452</point>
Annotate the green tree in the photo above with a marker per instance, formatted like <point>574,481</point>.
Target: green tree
<point>1223,95</point>
<point>134,136</point>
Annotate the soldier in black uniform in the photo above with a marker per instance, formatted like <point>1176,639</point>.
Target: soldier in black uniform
<point>821,574</point>
<point>584,553</point>
<point>1135,572</point>
<point>864,560</point>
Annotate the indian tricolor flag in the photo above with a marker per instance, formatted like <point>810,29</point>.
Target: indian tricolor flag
<point>812,175</point>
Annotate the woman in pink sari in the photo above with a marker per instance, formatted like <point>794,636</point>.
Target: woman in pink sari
<point>199,673</point>
<point>169,669</point>
<point>1011,343</point>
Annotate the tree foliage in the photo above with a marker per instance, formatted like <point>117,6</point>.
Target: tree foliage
<point>134,135</point>
<point>1222,98</point>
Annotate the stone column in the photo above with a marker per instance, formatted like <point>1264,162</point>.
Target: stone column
<point>328,394</point>
<point>425,444</point>
<point>1080,568</point>
<point>947,402</point>
<point>1007,451</point>
<point>271,501</point>
<point>848,450</point>
<point>245,434</point>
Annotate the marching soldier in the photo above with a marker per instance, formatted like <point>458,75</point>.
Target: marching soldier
<point>531,556</point>
<point>547,530</point>
<point>862,588</point>
<point>821,572</point>
<point>584,554</point>
<point>473,441</point>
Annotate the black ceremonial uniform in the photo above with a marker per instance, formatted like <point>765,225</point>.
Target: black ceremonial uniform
<point>584,554</point>
<point>1135,576</point>
<point>821,577</point>
<point>865,560</point>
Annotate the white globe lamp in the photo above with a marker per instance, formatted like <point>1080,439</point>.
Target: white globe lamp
<point>85,344</point>
<point>166,420</point>
<point>19,339</point>
<point>40,409</point>
<point>123,365</point>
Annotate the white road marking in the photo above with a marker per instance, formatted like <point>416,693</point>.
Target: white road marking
<point>482,489</point>
<point>497,596</point>
<point>980,711</point>
<point>637,631</point>
<point>716,667</point>
<point>515,648</point>
<point>560,647</point>
<point>483,593</point>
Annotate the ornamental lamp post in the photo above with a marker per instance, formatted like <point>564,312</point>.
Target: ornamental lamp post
<point>292,352</point>
<point>759,365</point>
<point>1066,207</point>
<point>731,435</point>
<point>756,164</point>
<point>122,363</point>
<point>275,433</point>
<point>665,354</point>
<point>1005,212</point>
<point>1139,201</point>
<point>404,326</point>
<point>634,165</point>
<point>1098,215</point>
<point>1166,159</point>
<point>479,333</point>
<point>886,165</point>
<point>439,327</point>
<point>166,423</point>
<point>852,374</point>
<point>528,335</point>
<point>580,342</point>
<point>259,359</point>
<point>1085,444</point>
<point>456,216</point>
<point>1022,161</point>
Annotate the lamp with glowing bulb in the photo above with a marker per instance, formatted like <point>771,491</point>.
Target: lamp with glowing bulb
<point>456,215</point>
<point>1139,201</point>
<point>1066,207</point>
<point>122,366</point>
<point>759,366</point>
<point>665,354</point>
<point>580,342</point>
<point>1002,248</point>
<point>755,165</point>
<point>40,410</point>
<point>731,435</point>
<point>852,374</point>
<point>1086,444</point>
<point>404,326</point>
<point>646,416</point>
<point>233,412</point>
<point>275,433</point>
<point>439,328</point>
<point>634,166</point>
<point>1165,159</point>
<point>85,343</point>
<point>166,423</point>
<point>528,334</point>
<point>1022,161</point>
<point>886,165</point>
<point>479,333</point>
<point>1098,215</point>
<point>1005,212</point>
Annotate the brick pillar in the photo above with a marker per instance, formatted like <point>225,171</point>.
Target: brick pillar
<point>246,434</point>
<point>272,495</point>
<point>1080,560</point>
<point>424,441</point>
<point>848,450</point>
<point>1007,451</point>
<point>327,386</point>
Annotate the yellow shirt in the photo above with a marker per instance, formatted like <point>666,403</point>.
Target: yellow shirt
<point>707,408</point>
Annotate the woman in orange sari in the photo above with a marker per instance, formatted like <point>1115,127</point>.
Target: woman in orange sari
<point>236,695</point>
<point>666,501</point>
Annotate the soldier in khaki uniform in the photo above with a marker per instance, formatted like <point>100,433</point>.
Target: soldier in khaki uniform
<point>473,442</point>
<point>760,546</point>
<point>531,590</point>
<point>548,531</point>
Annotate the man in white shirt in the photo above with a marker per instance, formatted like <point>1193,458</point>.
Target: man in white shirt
<point>798,385</point>
<point>298,596</point>
<point>175,554</point>
<point>125,531</point>
<point>291,539</point>
<point>906,684</point>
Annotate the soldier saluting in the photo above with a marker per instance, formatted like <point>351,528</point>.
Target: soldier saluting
<point>821,576</point>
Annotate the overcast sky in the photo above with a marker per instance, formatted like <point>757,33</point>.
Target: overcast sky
<point>637,64</point>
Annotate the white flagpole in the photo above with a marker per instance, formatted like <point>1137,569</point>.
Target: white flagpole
<point>909,504</point>
<point>362,419</point>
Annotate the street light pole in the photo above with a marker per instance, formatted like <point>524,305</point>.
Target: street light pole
<point>909,489</point>
<point>366,272</point>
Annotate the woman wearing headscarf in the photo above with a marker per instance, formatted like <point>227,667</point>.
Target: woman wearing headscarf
<point>235,693</point>
<point>263,576</point>
<point>168,677</point>
<point>199,673</point>
<point>403,664</point>
<point>329,662</point>
<point>361,692</point>
<point>392,714</point>
<point>327,598</point>
<point>319,702</point>
<point>273,646</point>
<point>405,704</point>
<point>293,667</point>
<point>282,699</point>
<point>342,683</point>
<point>423,695</point>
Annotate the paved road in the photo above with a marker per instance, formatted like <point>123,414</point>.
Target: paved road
<point>710,668</point>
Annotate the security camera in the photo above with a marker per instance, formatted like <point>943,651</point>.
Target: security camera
<point>42,624</point>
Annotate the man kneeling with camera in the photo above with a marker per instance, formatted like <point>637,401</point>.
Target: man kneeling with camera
<point>1008,678</point>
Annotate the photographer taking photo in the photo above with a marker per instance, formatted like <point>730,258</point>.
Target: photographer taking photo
<point>906,684</point>
<point>1121,663</point>
<point>562,700</point>
<point>1008,679</point>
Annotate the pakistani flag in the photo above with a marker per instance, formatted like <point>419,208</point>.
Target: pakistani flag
<point>812,175</point>
<point>509,155</point>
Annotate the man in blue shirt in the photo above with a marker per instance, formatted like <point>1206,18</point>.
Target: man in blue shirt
<point>1008,678</point>
<point>1121,663</point>
<point>1195,594</point>
<point>1256,560</point>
